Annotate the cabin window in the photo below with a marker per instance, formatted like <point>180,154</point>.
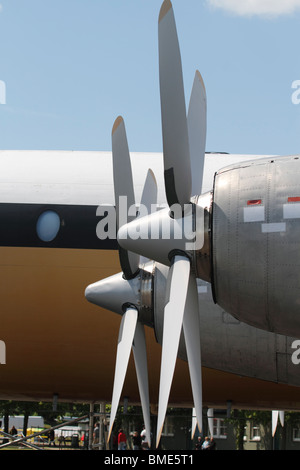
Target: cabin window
<point>48,225</point>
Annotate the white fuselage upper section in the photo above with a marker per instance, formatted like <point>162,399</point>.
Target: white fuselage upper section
<point>85,177</point>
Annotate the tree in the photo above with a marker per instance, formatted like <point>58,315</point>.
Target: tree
<point>239,419</point>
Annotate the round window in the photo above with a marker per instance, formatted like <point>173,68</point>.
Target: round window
<point>47,226</point>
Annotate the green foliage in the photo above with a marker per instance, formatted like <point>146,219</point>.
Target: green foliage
<point>239,419</point>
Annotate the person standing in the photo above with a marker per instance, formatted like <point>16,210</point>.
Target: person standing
<point>205,443</point>
<point>145,443</point>
<point>212,444</point>
<point>122,440</point>
<point>136,441</point>
<point>96,434</point>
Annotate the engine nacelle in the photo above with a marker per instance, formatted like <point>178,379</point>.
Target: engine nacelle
<point>255,243</point>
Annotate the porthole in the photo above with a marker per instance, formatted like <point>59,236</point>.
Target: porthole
<point>48,225</point>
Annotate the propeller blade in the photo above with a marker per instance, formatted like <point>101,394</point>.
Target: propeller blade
<point>126,335</point>
<point>194,423</point>
<point>177,170</point>
<point>275,415</point>
<point>197,132</point>
<point>210,416</point>
<point>178,280</point>
<point>274,421</point>
<point>140,359</point>
<point>148,202</point>
<point>281,418</point>
<point>191,328</point>
<point>149,195</point>
<point>123,186</point>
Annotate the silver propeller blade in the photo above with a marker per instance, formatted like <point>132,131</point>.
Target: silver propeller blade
<point>281,417</point>
<point>140,359</point>
<point>131,330</point>
<point>210,418</point>
<point>149,195</point>
<point>275,415</point>
<point>126,335</point>
<point>274,421</point>
<point>178,280</point>
<point>194,423</point>
<point>197,132</point>
<point>123,186</point>
<point>191,329</point>
<point>148,199</point>
<point>177,170</point>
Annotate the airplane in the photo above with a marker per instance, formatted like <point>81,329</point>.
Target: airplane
<point>60,344</point>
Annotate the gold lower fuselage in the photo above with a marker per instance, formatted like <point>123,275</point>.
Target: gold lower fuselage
<point>58,343</point>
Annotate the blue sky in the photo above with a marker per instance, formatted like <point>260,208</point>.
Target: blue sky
<point>70,67</point>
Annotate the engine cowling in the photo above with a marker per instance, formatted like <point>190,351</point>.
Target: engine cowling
<point>255,243</point>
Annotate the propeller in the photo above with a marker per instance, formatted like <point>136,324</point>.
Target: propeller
<point>121,292</point>
<point>184,152</point>
<point>183,149</point>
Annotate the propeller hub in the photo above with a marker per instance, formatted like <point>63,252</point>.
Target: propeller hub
<point>167,232</point>
<point>116,293</point>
